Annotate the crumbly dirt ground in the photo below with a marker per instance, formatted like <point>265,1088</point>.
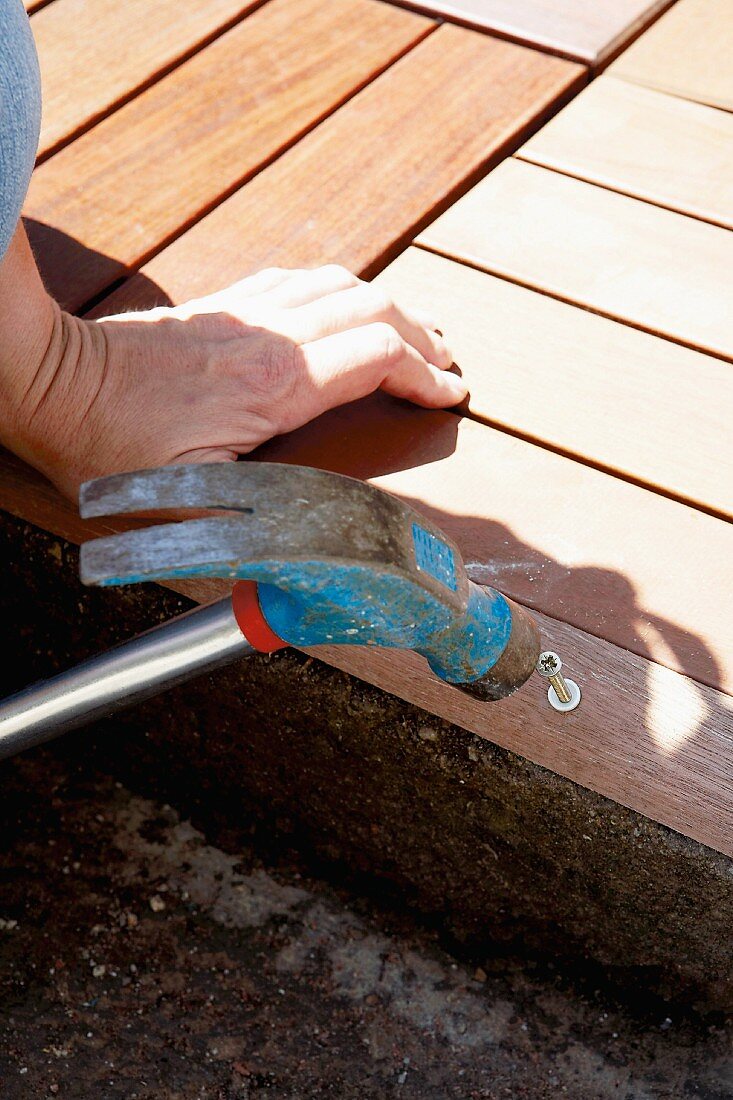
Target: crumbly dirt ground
<point>139,961</point>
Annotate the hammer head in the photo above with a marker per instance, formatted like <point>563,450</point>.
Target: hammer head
<point>336,561</point>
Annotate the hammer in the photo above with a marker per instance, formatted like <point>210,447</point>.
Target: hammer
<point>318,559</point>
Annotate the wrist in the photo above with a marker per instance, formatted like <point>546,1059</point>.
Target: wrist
<point>47,360</point>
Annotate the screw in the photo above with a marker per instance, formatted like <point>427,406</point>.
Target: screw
<point>563,694</point>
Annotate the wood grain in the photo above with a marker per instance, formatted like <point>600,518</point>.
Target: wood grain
<point>354,190</point>
<point>120,191</point>
<point>587,31</point>
<point>629,260</point>
<point>643,143</point>
<point>647,737</point>
<point>136,40</point>
<point>688,53</point>
<point>579,382</point>
<point>615,560</point>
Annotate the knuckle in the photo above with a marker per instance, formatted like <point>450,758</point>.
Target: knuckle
<point>378,300</point>
<point>390,345</point>
<point>339,274</point>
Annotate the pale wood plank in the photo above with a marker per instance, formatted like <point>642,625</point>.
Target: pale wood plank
<point>337,196</point>
<point>587,31</point>
<point>688,53</point>
<point>647,573</point>
<point>646,144</point>
<point>120,191</point>
<point>647,737</point>
<point>580,382</point>
<point>627,259</point>
<point>95,53</point>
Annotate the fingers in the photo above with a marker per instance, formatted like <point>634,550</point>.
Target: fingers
<point>348,365</point>
<point>308,286</point>
<point>359,305</point>
<point>239,298</point>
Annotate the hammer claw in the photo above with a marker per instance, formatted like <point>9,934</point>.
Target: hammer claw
<point>204,547</point>
<point>220,486</point>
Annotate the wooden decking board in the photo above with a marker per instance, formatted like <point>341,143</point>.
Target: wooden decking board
<point>649,267</point>
<point>337,197</point>
<point>586,31</point>
<point>120,191</point>
<point>138,40</point>
<point>579,382</point>
<point>647,737</point>
<point>614,560</point>
<point>687,53</point>
<point>643,143</point>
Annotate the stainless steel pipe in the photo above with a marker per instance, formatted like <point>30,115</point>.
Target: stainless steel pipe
<point>198,641</point>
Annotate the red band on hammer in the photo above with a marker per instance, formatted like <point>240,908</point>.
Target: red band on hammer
<point>251,621</point>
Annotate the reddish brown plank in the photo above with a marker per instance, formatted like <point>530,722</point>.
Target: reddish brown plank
<point>355,189</point>
<point>96,53</point>
<point>579,382</point>
<point>120,191</point>
<point>647,737</point>
<point>588,30</point>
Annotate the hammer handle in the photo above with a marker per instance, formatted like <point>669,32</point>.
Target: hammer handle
<point>193,643</point>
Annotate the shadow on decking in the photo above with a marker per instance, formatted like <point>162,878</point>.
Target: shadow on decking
<point>57,253</point>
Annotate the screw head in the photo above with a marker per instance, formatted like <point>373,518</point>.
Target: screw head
<point>548,663</point>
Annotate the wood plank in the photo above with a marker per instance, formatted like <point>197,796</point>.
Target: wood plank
<point>336,197</point>
<point>96,53</point>
<point>579,382</point>
<point>617,561</point>
<point>120,191</point>
<point>574,28</point>
<point>643,143</point>
<point>687,53</point>
<point>647,737</point>
<point>649,267</point>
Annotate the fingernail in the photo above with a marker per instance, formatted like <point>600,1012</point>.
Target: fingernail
<point>437,330</point>
<point>457,387</point>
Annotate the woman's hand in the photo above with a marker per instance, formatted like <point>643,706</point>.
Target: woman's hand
<point>214,378</point>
